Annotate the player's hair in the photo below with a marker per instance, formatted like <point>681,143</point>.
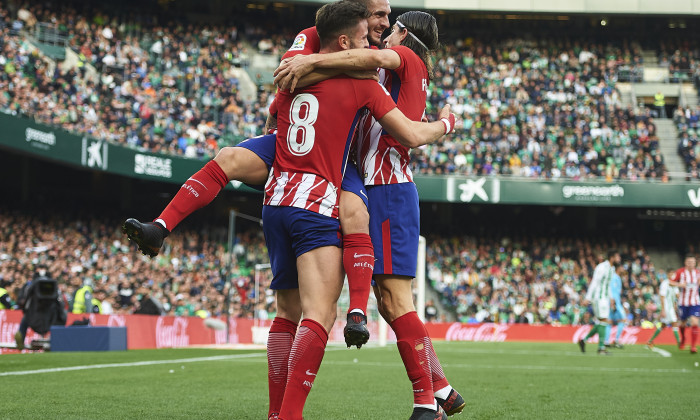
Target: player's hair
<point>689,256</point>
<point>335,19</point>
<point>422,35</point>
<point>612,253</point>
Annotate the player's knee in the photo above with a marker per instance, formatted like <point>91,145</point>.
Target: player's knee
<point>354,217</point>
<point>228,160</point>
<point>394,306</point>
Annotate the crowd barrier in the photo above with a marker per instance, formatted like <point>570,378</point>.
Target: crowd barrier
<point>149,332</point>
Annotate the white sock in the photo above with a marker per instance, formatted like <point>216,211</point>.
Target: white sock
<point>428,406</point>
<point>360,311</point>
<point>443,393</point>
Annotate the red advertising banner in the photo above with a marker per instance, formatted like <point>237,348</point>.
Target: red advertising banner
<point>144,331</point>
<point>148,332</point>
<point>538,333</point>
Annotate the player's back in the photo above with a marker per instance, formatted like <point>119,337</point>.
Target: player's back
<point>315,128</point>
<point>383,159</point>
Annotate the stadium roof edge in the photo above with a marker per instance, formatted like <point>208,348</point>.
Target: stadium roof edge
<point>626,7</point>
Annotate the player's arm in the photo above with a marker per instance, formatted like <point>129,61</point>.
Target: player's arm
<point>301,70</point>
<point>413,133</point>
<point>271,122</point>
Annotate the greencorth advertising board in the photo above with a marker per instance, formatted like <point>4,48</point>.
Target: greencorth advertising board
<point>52,143</point>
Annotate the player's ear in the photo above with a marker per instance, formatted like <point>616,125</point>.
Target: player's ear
<point>344,42</point>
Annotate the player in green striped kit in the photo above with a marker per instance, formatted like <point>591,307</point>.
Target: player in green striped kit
<point>600,296</point>
<point>668,295</point>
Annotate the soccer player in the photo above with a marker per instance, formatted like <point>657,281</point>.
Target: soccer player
<point>393,199</point>
<point>688,279</point>
<point>300,212</point>
<point>668,295</point>
<point>618,313</point>
<point>250,162</point>
<point>599,295</point>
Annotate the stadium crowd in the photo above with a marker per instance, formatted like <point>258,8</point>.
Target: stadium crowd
<point>188,278</point>
<point>536,281</point>
<point>540,109</point>
<point>686,120</point>
<point>160,88</point>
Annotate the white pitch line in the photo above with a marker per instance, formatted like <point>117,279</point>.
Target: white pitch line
<point>524,367</point>
<point>129,364</point>
<point>662,352</point>
<point>621,353</point>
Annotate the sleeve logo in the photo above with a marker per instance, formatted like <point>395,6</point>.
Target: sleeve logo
<point>299,43</point>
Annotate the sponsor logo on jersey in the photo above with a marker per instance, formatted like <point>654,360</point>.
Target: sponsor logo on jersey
<point>299,43</point>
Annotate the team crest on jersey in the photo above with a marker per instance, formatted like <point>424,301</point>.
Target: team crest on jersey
<point>299,43</point>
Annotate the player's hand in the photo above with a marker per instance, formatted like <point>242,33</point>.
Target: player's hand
<point>363,74</point>
<point>447,118</point>
<point>292,69</point>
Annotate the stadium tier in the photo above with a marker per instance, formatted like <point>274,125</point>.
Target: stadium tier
<point>528,107</point>
<point>139,96</point>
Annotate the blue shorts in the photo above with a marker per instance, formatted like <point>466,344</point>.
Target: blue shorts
<point>291,232</point>
<point>352,182</point>
<point>688,311</point>
<point>394,225</point>
<point>264,147</point>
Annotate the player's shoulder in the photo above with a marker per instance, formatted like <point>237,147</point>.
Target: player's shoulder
<point>307,37</point>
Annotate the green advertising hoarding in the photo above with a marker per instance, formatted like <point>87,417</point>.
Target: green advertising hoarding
<point>53,143</point>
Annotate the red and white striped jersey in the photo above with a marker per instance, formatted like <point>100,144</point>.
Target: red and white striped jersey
<point>689,294</point>
<point>382,159</point>
<point>315,128</point>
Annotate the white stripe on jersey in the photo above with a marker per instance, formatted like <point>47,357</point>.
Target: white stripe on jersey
<point>689,294</point>
<point>302,191</point>
<point>328,203</point>
<point>278,193</point>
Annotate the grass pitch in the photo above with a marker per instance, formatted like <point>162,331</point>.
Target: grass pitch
<point>498,380</point>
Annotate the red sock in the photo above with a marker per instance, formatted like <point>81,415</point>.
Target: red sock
<point>198,191</point>
<point>438,376</point>
<point>414,346</point>
<point>693,336</point>
<point>358,261</point>
<point>279,344</point>
<point>304,361</point>
<point>682,331</point>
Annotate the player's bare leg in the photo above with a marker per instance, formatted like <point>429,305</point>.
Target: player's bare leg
<point>231,163</point>
<point>358,261</point>
<point>320,282</point>
<point>279,346</point>
<point>395,302</point>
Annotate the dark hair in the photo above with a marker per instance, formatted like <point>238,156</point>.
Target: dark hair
<point>335,19</point>
<point>424,27</point>
<point>612,253</point>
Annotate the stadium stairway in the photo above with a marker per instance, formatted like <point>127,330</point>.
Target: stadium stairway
<point>436,297</point>
<point>668,145</point>
<point>665,259</point>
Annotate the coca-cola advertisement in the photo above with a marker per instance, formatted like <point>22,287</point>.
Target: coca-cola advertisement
<point>457,331</point>
<point>148,332</point>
